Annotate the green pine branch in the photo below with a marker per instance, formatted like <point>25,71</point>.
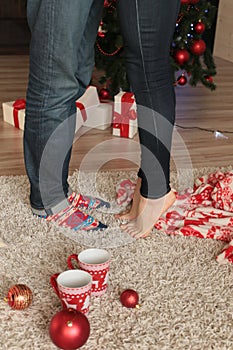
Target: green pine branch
<point>199,68</point>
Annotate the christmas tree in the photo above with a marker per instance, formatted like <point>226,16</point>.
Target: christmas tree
<point>191,59</point>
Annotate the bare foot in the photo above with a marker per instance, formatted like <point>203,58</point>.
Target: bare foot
<point>149,211</point>
<point>131,214</point>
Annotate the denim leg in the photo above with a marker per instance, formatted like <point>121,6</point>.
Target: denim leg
<point>61,63</point>
<point>147,28</point>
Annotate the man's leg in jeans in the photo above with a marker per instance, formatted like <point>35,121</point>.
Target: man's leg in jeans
<point>60,31</point>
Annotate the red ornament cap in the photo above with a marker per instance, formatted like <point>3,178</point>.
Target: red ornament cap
<point>129,298</point>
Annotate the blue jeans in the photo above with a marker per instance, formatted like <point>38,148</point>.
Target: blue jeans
<point>147,28</point>
<point>63,34</point>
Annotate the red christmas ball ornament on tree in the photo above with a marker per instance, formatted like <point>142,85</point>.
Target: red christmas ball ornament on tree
<point>199,27</point>
<point>107,3</point>
<point>104,94</point>
<point>184,2</point>
<point>209,79</point>
<point>69,329</point>
<point>181,56</point>
<point>182,80</point>
<point>193,2</point>
<point>19,297</point>
<point>129,298</point>
<point>101,33</point>
<point>198,47</point>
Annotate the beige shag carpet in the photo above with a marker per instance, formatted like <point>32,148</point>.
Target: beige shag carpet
<point>185,295</point>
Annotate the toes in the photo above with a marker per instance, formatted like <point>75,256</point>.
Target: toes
<point>145,235</point>
<point>130,229</point>
<point>133,231</point>
<point>121,215</point>
<point>126,226</point>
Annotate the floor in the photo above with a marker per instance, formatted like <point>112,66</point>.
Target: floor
<point>95,149</point>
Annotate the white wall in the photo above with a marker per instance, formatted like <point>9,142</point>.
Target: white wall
<point>223,45</point>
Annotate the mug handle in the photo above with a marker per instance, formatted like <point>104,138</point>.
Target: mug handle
<point>69,261</point>
<point>53,282</point>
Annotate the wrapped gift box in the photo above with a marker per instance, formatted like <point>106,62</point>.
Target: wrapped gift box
<point>99,117</point>
<point>14,113</point>
<point>91,113</point>
<point>85,104</point>
<point>125,115</point>
<point>79,120</point>
<point>90,98</point>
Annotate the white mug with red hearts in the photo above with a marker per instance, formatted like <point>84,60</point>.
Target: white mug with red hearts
<point>73,287</point>
<point>97,263</point>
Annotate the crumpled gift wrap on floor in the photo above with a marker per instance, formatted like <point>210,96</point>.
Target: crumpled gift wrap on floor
<point>204,211</point>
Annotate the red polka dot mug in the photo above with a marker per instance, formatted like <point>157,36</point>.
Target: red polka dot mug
<point>73,287</point>
<point>97,263</point>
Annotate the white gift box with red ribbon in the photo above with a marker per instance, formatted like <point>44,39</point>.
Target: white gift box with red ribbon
<point>91,113</point>
<point>14,113</point>
<point>99,117</point>
<point>124,115</point>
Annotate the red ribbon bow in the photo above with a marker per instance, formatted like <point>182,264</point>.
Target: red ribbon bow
<point>17,105</point>
<point>82,110</point>
<point>121,120</point>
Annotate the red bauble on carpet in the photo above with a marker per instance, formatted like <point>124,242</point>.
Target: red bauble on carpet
<point>129,298</point>
<point>19,297</point>
<point>69,329</point>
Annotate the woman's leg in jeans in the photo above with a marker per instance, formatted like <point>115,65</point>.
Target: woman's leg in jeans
<point>147,27</point>
<point>61,63</point>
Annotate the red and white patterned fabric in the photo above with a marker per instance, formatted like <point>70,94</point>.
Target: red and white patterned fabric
<point>125,190</point>
<point>206,211</point>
